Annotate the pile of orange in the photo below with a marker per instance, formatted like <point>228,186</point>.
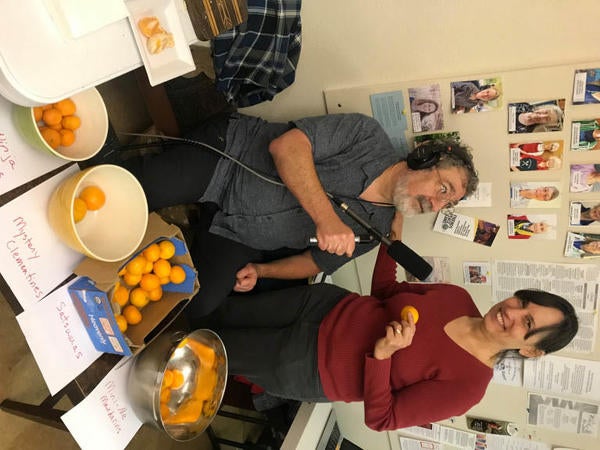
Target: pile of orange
<point>91,198</point>
<point>202,400</point>
<point>142,279</point>
<point>57,122</point>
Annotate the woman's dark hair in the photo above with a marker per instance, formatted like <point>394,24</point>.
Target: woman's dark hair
<point>556,336</point>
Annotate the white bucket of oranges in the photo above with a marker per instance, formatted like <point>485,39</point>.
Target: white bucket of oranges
<point>101,212</point>
<point>73,128</point>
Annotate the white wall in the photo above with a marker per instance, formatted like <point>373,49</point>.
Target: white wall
<point>361,42</point>
<point>349,43</point>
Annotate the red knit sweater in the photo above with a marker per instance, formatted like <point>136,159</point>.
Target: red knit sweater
<point>430,380</point>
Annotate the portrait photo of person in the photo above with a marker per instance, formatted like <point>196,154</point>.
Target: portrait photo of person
<point>476,95</point>
<point>585,178</point>
<point>584,213</point>
<point>537,117</point>
<point>582,245</point>
<point>426,108</point>
<point>532,226</point>
<point>546,155</point>
<point>586,86</point>
<point>535,194</point>
<point>585,135</point>
<point>486,232</point>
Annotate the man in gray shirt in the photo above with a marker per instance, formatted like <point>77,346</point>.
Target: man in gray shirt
<point>259,229</point>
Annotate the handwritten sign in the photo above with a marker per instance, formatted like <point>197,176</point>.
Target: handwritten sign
<point>54,319</point>
<point>19,162</point>
<point>105,420</point>
<point>33,259</point>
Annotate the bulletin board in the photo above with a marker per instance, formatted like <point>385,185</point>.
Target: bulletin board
<point>487,134</point>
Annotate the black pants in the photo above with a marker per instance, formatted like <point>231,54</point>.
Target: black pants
<point>271,337</point>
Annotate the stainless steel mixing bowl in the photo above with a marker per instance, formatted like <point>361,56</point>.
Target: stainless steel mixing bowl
<point>176,351</point>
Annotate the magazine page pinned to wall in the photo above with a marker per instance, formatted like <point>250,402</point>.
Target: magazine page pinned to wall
<point>541,155</point>
<point>586,86</point>
<point>585,135</point>
<point>584,213</point>
<point>476,95</point>
<point>477,272</point>
<point>535,194</point>
<point>531,226</point>
<point>582,245</point>
<point>466,227</point>
<point>585,177</point>
<point>536,117</point>
<point>426,108</point>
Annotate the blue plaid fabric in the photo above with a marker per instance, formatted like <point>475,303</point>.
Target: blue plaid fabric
<point>257,59</point>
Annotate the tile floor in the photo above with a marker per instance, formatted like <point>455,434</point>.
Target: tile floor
<point>20,378</point>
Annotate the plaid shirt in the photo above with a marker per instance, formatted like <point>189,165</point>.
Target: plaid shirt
<point>257,59</point>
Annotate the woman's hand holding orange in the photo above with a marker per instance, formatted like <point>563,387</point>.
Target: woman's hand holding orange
<point>398,335</point>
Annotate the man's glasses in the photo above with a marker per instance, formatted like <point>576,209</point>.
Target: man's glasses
<point>445,192</point>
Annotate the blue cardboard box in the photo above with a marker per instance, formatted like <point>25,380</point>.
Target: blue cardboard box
<point>97,316</point>
<point>92,296</point>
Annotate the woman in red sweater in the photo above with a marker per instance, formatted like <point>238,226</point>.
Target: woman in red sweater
<point>323,343</point>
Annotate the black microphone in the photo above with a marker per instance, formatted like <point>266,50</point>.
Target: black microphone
<point>400,252</point>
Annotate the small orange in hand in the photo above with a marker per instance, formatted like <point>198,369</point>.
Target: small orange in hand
<point>177,275</point>
<point>132,315</point>
<point>52,137</point>
<point>167,249</point>
<point>79,210</point>
<point>93,197</point>
<point>409,310</point>
<point>71,122</point>
<point>66,107</point>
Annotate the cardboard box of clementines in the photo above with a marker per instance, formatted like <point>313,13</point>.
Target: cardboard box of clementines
<point>92,293</point>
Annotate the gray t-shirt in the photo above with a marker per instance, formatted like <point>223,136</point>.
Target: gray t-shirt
<point>349,150</point>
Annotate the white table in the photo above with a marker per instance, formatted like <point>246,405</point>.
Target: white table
<point>40,63</point>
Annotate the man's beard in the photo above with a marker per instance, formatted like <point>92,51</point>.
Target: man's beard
<point>409,205</point>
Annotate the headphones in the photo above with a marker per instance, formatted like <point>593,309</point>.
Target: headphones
<point>428,154</point>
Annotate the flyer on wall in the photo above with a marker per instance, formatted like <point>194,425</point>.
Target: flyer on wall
<point>466,227</point>
<point>524,117</point>
<point>585,135</point>
<point>586,86</point>
<point>582,245</point>
<point>532,226</point>
<point>426,108</point>
<point>582,213</point>
<point>535,194</point>
<point>542,155</point>
<point>585,177</point>
<point>476,95</point>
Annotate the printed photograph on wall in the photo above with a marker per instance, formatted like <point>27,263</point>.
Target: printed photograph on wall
<point>535,194</point>
<point>584,213</point>
<point>585,135</point>
<point>582,245</point>
<point>476,95</point>
<point>524,117</point>
<point>585,178</point>
<point>586,86</point>
<point>541,155</point>
<point>532,226</point>
<point>426,108</point>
